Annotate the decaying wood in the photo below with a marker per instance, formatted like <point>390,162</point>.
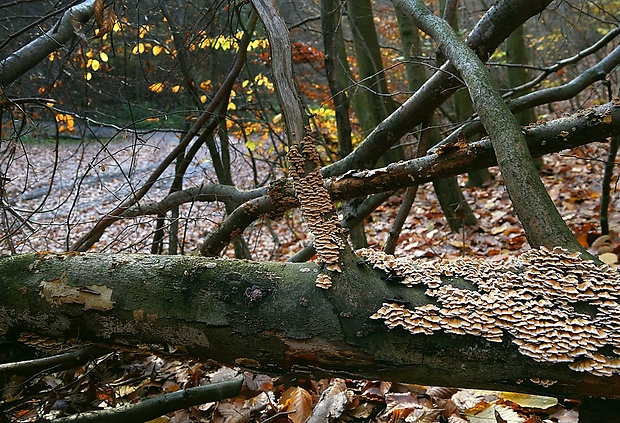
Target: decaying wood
<point>267,317</point>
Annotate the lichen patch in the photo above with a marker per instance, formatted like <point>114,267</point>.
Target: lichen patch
<point>554,306</point>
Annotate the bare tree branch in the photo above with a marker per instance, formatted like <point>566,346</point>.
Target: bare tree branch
<point>598,72</point>
<point>595,124</point>
<point>34,52</point>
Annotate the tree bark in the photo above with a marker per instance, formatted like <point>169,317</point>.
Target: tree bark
<point>331,28</point>
<point>543,223</point>
<point>267,317</point>
<point>477,155</point>
<point>598,72</point>
<point>34,52</point>
<point>494,27</point>
<point>372,102</point>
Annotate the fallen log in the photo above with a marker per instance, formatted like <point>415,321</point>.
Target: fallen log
<point>270,318</point>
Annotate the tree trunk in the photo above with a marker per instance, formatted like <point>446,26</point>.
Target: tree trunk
<point>500,20</point>
<point>371,99</point>
<point>543,223</point>
<point>373,103</point>
<point>516,53</point>
<point>268,317</point>
<point>331,28</point>
<point>453,204</point>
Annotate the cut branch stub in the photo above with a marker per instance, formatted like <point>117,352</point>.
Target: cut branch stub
<point>316,206</point>
<point>555,306</point>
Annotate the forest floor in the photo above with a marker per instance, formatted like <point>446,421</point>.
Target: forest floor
<point>87,179</point>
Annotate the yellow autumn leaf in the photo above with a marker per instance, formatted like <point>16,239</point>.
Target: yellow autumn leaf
<point>144,29</point>
<point>176,88</point>
<point>251,145</point>
<point>203,98</point>
<point>157,50</point>
<point>66,122</point>
<point>117,27</point>
<point>94,64</point>
<point>530,401</point>
<point>488,413</point>
<point>51,57</point>
<point>231,106</point>
<point>233,93</point>
<point>156,87</point>
<point>139,49</point>
<point>103,56</point>
<point>88,76</point>
<point>205,84</point>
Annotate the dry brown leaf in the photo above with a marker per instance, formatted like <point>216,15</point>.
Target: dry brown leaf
<point>441,392</point>
<point>98,15</point>
<point>258,382</point>
<point>105,17</point>
<point>296,401</point>
<point>565,416</point>
<point>609,258</point>
<point>233,411</point>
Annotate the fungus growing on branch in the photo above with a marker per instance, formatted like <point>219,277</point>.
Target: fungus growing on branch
<point>555,306</point>
<point>316,207</point>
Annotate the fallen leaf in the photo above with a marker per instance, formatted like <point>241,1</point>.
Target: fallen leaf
<point>530,401</point>
<point>296,401</point>
<point>609,258</point>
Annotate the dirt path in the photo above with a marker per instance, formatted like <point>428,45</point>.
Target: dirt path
<point>69,189</point>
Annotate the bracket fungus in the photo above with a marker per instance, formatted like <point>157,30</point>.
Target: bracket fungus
<point>555,306</point>
<point>316,206</point>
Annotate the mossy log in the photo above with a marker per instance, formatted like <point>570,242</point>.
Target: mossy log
<point>271,318</point>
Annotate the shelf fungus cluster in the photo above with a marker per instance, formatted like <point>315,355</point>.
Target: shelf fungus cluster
<point>316,207</point>
<point>553,305</point>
